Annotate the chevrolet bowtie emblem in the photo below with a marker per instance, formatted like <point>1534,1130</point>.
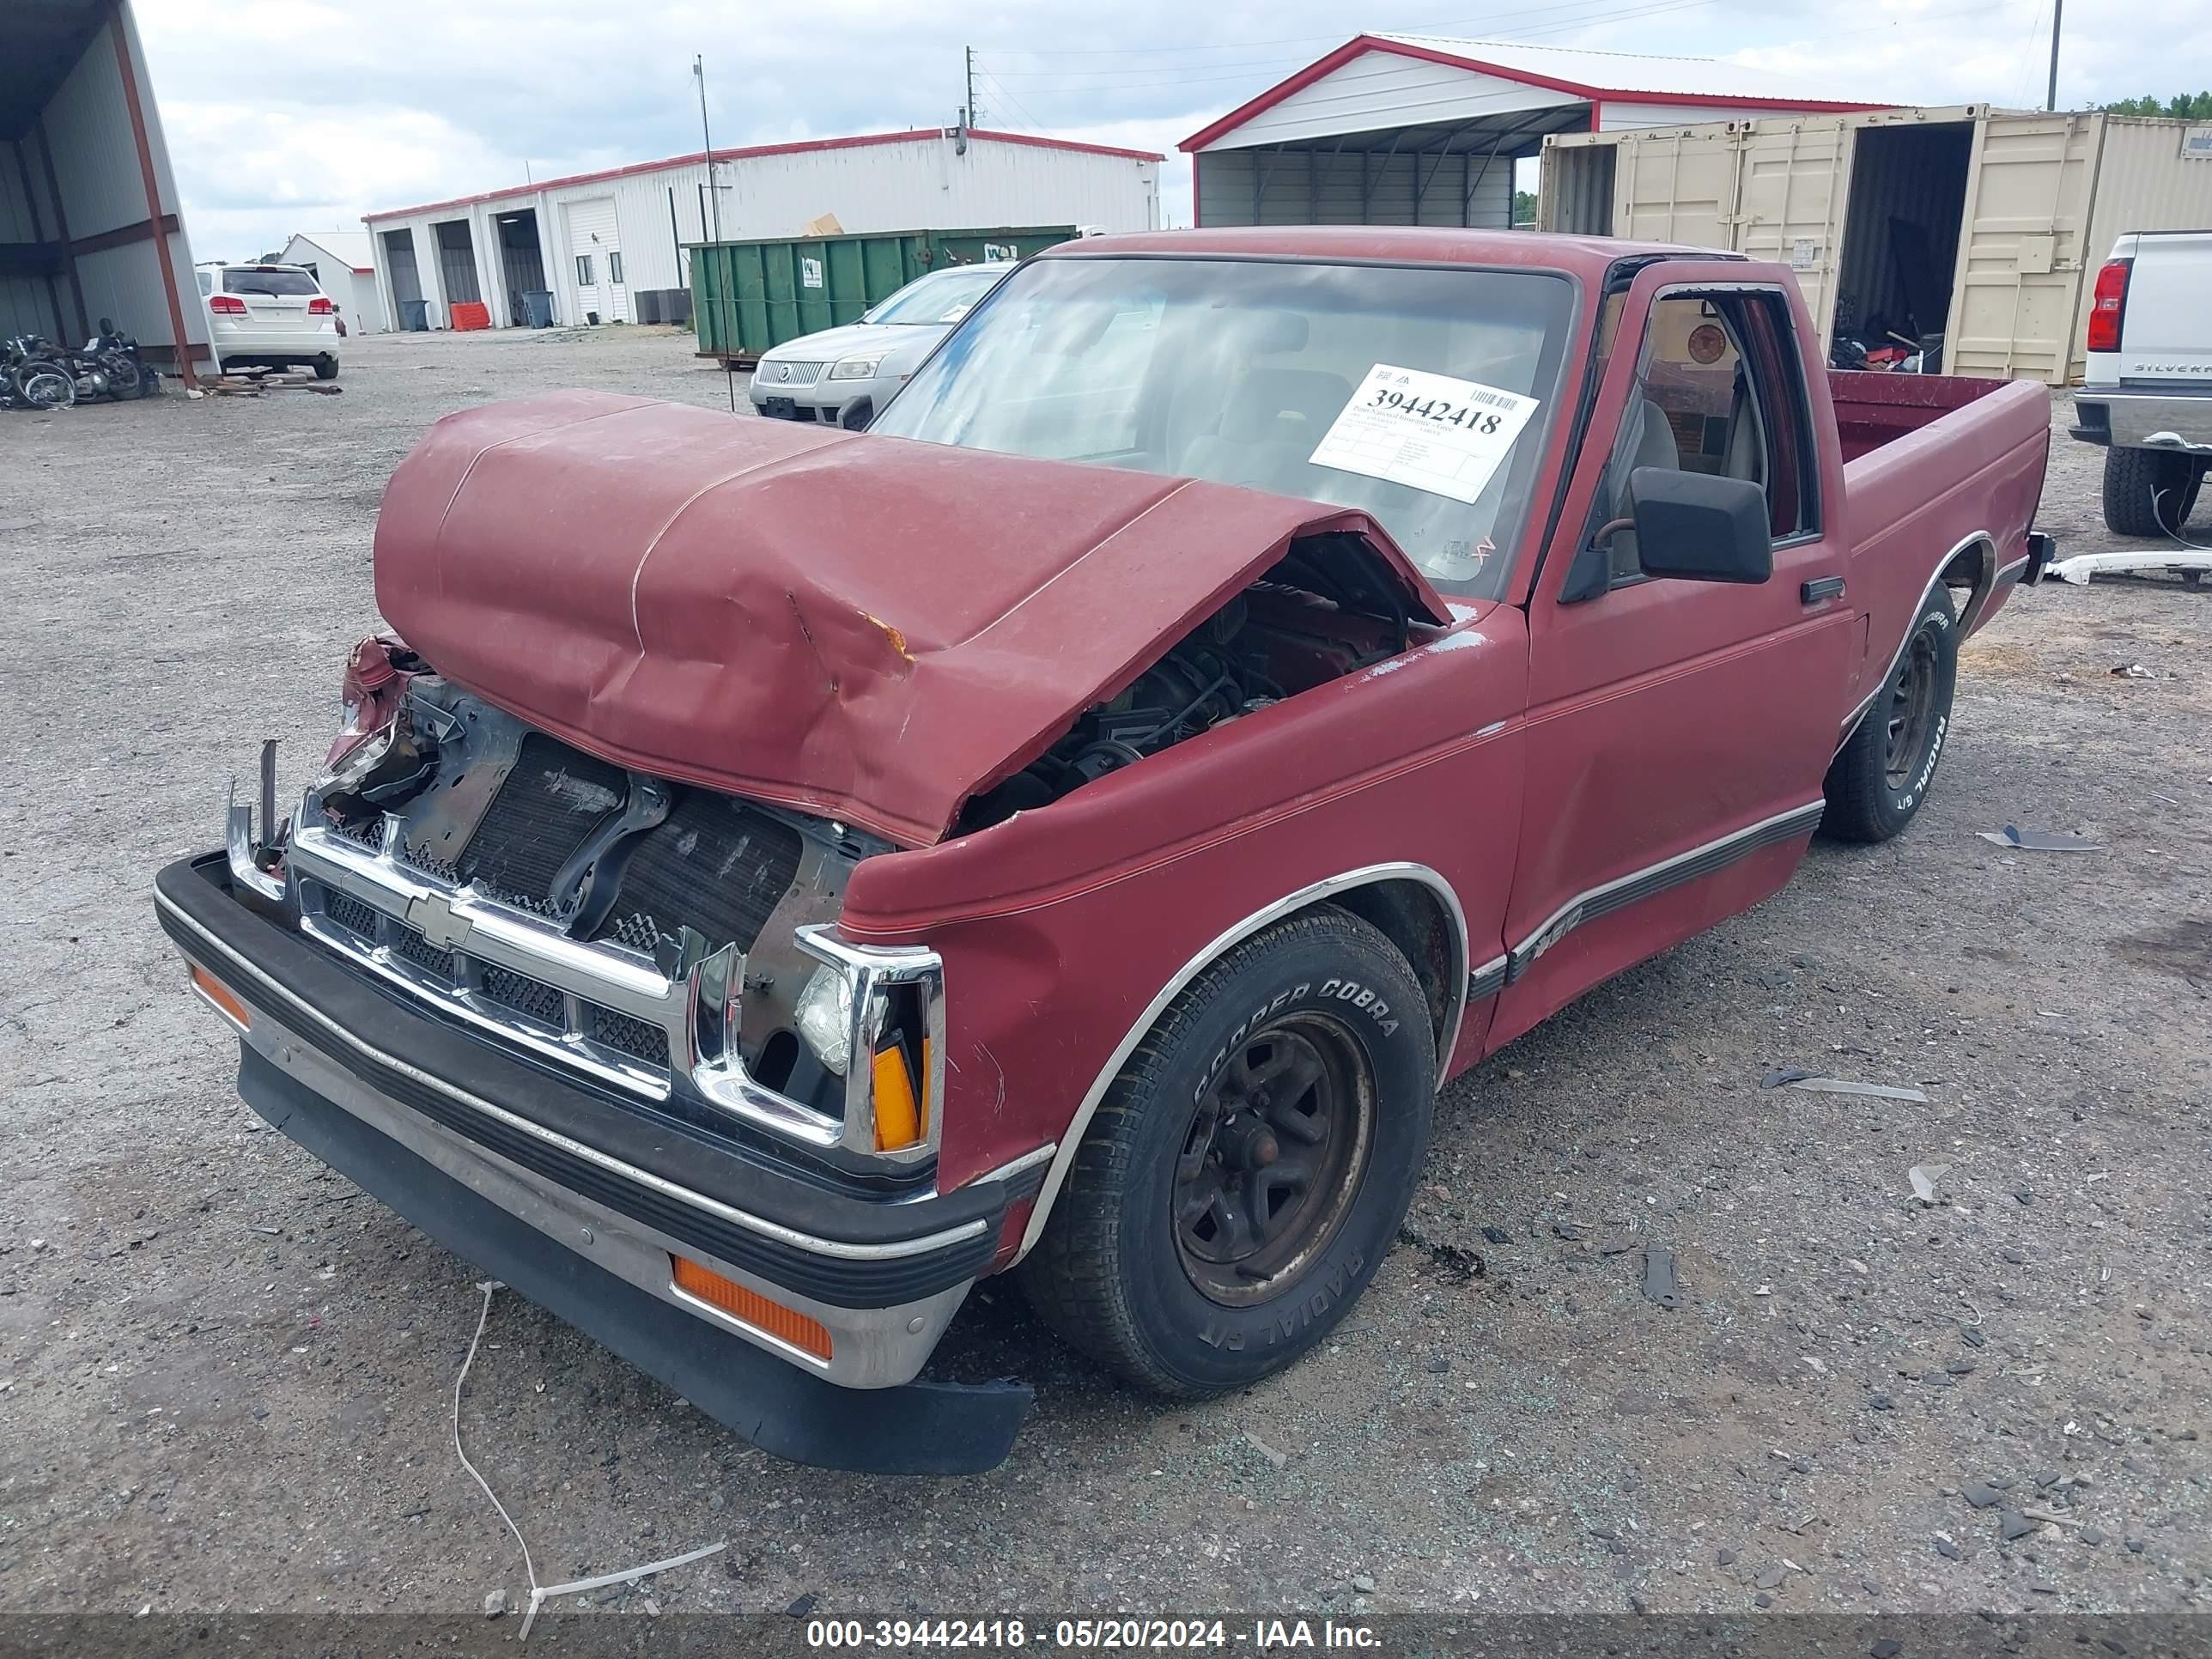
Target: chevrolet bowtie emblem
<point>431,914</point>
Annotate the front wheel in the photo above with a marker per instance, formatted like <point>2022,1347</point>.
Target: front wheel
<point>43,384</point>
<point>1247,1171</point>
<point>1879,777</point>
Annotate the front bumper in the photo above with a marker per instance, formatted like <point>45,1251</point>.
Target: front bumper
<point>2132,417</point>
<point>496,1158</point>
<point>826,402</point>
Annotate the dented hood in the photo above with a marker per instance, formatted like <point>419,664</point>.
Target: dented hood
<point>871,628</point>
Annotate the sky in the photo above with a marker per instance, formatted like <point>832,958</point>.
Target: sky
<point>302,115</point>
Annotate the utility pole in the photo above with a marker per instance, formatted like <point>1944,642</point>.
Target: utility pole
<point>707,143</point>
<point>968,109</point>
<point>2058,11</point>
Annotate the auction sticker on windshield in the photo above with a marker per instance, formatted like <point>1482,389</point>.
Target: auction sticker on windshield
<point>1426,431</point>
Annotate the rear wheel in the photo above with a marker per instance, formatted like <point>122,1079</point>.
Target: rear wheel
<point>326,368</point>
<point>1247,1171</point>
<point>2149,492</point>
<point>1881,776</point>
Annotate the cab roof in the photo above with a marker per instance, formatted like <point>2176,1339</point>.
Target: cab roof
<point>1588,257</point>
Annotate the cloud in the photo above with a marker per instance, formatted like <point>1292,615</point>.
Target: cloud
<point>357,105</point>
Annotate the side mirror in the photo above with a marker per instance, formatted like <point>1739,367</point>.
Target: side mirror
<point>1699,528</point>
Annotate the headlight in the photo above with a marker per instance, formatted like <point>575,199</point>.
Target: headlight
<point>857,368</point>
<point>824,1018</point>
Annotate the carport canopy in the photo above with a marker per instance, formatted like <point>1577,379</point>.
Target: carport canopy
<point>88,211</point>
<point>1398,129</point>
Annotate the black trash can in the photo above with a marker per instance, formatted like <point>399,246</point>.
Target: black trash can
<point>645,301</point>
<point>537,307</point>
<point>415,316</point>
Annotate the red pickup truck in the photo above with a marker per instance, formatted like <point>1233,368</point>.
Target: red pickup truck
<point>788,874</point>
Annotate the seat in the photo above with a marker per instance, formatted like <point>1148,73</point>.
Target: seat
<point>1269,423</point>
<point>1646,440</point>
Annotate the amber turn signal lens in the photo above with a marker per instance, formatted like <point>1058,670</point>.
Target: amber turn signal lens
<point>226,1000</point>
<point>750,1306</point>
<point>898,1112</point>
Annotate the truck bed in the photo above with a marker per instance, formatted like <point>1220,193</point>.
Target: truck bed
<point>1874,407</point>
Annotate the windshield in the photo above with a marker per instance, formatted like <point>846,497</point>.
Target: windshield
<point>940,297</point>
<point>1417,394</point>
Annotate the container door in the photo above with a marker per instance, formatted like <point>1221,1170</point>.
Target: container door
<point>2023,246</point>
<point>1676,186</point>
<point>1796,182</point>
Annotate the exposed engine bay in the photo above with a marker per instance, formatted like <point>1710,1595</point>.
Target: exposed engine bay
<point>1276,639</point>
<point>451,787</point>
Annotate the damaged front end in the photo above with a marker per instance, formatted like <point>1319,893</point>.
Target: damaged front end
<point>667,941</point>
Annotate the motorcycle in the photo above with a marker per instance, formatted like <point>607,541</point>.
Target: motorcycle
<point>33,376</point>
<point>112,357</point>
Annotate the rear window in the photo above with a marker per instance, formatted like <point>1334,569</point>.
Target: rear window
<point>266,279</point>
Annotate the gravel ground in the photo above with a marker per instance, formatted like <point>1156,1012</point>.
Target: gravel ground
<point>225,1375</point>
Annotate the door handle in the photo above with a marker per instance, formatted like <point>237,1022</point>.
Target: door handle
<point>1821,588</point>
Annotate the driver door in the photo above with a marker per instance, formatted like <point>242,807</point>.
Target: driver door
<point>1678,730</point>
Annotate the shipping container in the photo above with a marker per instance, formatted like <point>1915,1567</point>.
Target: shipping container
<point>749,296</point>
<point>1974,231</point>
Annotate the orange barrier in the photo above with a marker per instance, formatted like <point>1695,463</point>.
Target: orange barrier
<point>471,314</point>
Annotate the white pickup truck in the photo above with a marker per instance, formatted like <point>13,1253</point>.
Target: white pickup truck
<point>2147,394</point>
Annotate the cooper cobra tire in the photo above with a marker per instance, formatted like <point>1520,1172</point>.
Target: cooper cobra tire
<point>1881,776</point>
<point>1247,1171</point>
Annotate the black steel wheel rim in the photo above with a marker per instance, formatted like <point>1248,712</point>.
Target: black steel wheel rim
<point>1911,710</point>
<point>1273,1159</point>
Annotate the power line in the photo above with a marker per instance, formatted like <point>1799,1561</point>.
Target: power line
<point>1035,125</point>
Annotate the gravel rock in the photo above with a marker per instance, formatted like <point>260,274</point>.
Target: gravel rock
<point>494,1604</point>
<point>2012,1524</point>
<point>1980,1496</point>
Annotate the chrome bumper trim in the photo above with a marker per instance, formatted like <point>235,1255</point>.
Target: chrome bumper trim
<point>228,962</point>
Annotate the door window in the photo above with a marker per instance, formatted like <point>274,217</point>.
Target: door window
<point>584,271</point>
<point>1717,391</point>
<point>614,267</point>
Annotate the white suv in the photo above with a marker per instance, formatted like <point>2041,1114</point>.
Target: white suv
<point>269,317</point>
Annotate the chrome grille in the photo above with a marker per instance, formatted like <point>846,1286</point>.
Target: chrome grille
<point>633,1036</point>
<point>781,372</point>
<point>525,995</point>
<point>350,913</point>
<point>406,942</point>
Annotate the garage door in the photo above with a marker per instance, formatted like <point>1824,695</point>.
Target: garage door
<point>595,261</point>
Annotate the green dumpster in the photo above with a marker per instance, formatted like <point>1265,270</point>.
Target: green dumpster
<point>748,296</point>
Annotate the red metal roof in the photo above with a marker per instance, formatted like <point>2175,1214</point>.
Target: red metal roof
<point>1360,44</point>
<point>798,147</point>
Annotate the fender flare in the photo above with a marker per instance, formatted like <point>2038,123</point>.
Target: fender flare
<point>1970,616</point>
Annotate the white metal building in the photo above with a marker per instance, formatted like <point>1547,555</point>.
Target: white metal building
<point>1417,130</point>
<point>90,225</point>
<point>591,239</point>
<point>341,263</point>
<point>1978,231</point>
